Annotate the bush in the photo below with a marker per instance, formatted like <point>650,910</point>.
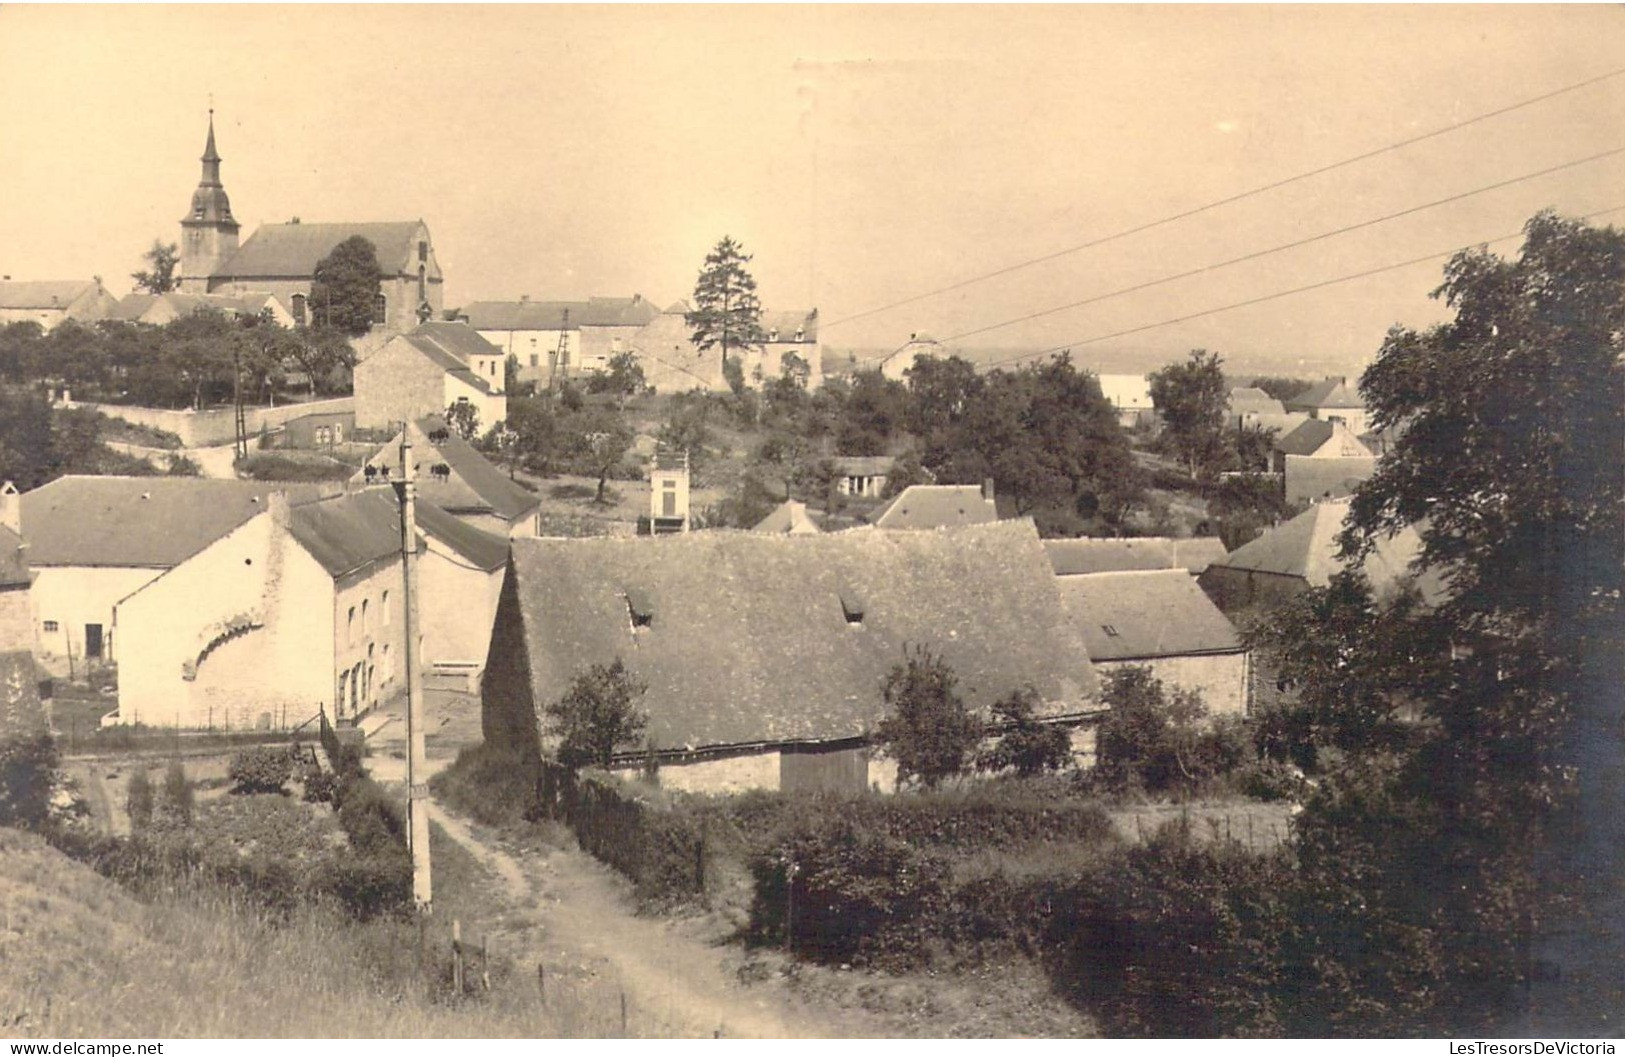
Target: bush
<point>178,793</point>
<point>926,729</point>
<point>1161,741</point>
<point>1025,745</point>
<point>139,800</point>
<point>264,769</point>
<point>321,787</point>
<point>493,785</point>
<point>659,845</point>
<point>27,774</point>
<point>370,886</point>
<point>372,821</point>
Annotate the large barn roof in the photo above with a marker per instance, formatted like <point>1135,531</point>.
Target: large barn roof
<point>771,639</point>
<point>1146,615</point>
<point>1075,557</point>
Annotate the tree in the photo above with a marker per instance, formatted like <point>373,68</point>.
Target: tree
<point>726,311</point>
<point>1192,397</point>
<point>345,286</point>
<point>784,456</point>
<point>927,728</point>
<point>598,438</point>
<point>1024,745</point>
<point>320,351</point>
<point>464,419</point>
<point>164,258</point>
<point>1149,738</point>
<point>1512,423</point>
<point>27,778</point>
<point>905,471</point>
<point>597,715</point>
<point>624,377</point>
<point>139,799</point>
<point>941,390</point>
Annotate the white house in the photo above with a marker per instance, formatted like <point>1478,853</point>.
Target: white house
<point>94,540</point>
<point>897,364</point>
<point>300,609</point>
<point>49,302</point>
<point>560,338</point>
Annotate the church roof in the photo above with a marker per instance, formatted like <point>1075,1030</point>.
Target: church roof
<point>292,251</point>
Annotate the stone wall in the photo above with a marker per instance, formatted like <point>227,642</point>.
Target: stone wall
<point>216,426</point>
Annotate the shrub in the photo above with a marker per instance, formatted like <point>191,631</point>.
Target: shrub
<point>597,715</point>
<point>372,821</point>
<point>138,800</point>
<point>659,845</point>
<point>370,886</point>
<point>1161,740</point>
<point>926,729</point>
<point>1025,746</point>
<point>178,792</point>
<point>27,774</point>
<point>321,787</point>
<point>264,769</point>
<point>838,891</point>
<point>496,786</point>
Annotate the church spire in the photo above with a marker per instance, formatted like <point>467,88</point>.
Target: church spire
<point>211,157</point>
<point>209,231</point>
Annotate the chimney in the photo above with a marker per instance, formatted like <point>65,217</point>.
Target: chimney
<point>987,489</point>
<point>295,220</point>
<point>11,508</point>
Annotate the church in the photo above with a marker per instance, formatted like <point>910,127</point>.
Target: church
<point>280,259</point>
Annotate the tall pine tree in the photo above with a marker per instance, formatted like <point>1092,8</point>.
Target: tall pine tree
<point>726,310</point>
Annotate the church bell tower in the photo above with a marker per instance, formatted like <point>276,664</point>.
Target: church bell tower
<point>208,232</point>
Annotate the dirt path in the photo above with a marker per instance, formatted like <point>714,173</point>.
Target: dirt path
<point>675,985</point>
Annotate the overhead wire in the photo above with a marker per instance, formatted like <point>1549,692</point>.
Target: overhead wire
<point>1149,284</point>
<point>1230,199</point>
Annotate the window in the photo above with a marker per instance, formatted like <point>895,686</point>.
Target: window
<point>50,625</point>
<point>383,613</point>
<point>1109,630</point>
<point>349,633</point>
<point>363,616</point>
<point>423,249</point>
<point>299,310</point>
<point>535,361</point>
<point>380,309</point>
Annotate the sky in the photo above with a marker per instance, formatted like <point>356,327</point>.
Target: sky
<point>863,154</point>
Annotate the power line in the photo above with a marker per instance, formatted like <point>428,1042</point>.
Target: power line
<point>1269,297</point>
<point>1194,211</point>
<point>1285,246</point>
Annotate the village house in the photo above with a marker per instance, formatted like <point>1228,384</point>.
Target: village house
<point>431,368</point>
<point>898,363</point>
<point>862,476</point>
<point>789,518</point>
<point>92,541</point>
<point>1130,397</point>
<point>299,609</point>
<point>318,431</point>
<point>281,259</point>
<point>20,711</point>
<point>1302,553</point>
<point>1081,557</point>
<point>158,309</point>
<point>1160,619</point>
<point>1245,401</point>
<point>49,302</point>
<point>456,478</point>
<point>555,339</point>
<point>1333,400</point>
<point>764,654</point>
<point>671,362</point>
<point>932,506</point>
<point>1317,439</point>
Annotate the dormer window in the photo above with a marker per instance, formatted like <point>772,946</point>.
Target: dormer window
<point>852,607</point>
<point>1110,631</point>
<point>801,335</point>
<point>639,609</point>
<point>773,335</point>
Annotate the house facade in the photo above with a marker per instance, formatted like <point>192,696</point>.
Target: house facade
<point>95,540</point>
<point>1333,400</point>
<point>764,654</point>
<point>427,370</point>
<point>862,476</point>
<point>557,339</point>
<point>1317,439</point>
<point>50,302</point>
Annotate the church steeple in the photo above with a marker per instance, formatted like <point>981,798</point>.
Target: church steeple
<point>209,231</point>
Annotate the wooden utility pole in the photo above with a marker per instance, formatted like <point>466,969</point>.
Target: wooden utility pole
<point>416,780</point>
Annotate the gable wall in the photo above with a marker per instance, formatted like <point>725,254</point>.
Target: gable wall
<point>395,384</point>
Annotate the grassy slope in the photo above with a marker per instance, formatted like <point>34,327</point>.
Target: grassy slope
<point>84,958</point>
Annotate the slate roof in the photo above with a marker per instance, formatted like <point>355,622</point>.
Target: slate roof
<point>1334,478</point>
<point>1079,557</point>
<point>631,311</point>
<point>930,506</point>
<point>788,518</point>
<point>349,532</point>
<point>292,251</point>
<point>44,293</point>
<point>475,486</point>
<point>1306,439</point>
<point>449,345</point>
<point>485,550</point>
<point>1282,424</point>
<point>1146,615</point>
<point>142,522</point>
<point>1306,548</point>
<point>132,307</point>
<point>1328,393</point>
<point>13,559</point>
<point>1247,400</point>
<point>864,465</point>
<point>788,322</point>
<point>749,642</point>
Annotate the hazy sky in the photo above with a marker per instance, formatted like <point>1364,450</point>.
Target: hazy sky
<point>863,154</point>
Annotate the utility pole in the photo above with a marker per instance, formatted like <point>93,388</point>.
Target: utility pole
<point>416,780</point>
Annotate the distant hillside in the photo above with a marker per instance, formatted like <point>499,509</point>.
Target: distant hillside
<point>1240,365</point>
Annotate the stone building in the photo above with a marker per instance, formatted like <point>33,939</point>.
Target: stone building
<point>425,372</point>
<point>51,302</point>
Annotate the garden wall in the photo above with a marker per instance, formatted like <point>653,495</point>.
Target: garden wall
<point>217,425</point>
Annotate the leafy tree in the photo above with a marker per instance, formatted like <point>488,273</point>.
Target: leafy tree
<point>927,728</point>
<point>532,434</point>
<point>624,377</point>
<point>597,439</point>
<point>1159,739</point>
<point>163,258</point>
<point>783,456</point>
<point>139,799</point>
<point>21,350</point>
<point>597,715</point>
<point>28,454</point>
<point>510,375</point>
<point>1512,421</point>
<point>464,418</point>
<point>941,391</point>
<point>27,775</point>
<point>320,351</point>
<point>1024,745</point>
<point>727,313</point>
<point>873,411</point>
<point>197,352</point>
<point>1281,387</point>
<point>345,286</point>
<point>1192,397</point>
<point>906,470</point>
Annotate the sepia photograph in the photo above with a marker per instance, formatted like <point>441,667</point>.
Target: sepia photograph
<point>812,521</point>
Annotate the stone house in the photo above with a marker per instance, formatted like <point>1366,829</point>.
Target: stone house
<point>1245,401</point>
<point>764,654</point>
<point>92,541</point>
<point>299,608</point>
<point>1161,619</point>
<point>457,479</point>
<point>671,361</point>
<point>560,338</point>
<point>1317,439</point>
<point>1333,400</point>
<point>427,370</point>
<point>49,302</point>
